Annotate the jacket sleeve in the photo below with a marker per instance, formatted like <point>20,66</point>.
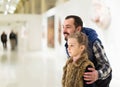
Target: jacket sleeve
<point>103,65</point>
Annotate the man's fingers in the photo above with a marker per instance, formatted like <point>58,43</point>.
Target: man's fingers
<point>87,73</point>
<point>91,77</point>
<point>87,77</point>
<point>91,69</point>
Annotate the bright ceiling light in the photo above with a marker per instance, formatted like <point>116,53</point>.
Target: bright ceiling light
<point>8,6</point>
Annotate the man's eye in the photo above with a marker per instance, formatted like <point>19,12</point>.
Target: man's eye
<point>67,27</point>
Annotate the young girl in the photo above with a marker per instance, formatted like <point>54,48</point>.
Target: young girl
<point>78,62</point>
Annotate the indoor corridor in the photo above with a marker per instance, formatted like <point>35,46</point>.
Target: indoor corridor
<point>40,55</point>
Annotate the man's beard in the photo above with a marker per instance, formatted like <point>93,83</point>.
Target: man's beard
<point>66,35</point>
<point>66,38</point>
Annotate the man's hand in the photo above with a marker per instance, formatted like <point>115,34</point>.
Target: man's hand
<point>91,77</point>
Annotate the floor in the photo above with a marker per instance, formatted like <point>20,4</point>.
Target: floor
<point>29,69</point>
<point>33,69</point>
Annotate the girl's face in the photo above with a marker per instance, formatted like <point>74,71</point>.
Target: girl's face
<point>74,48</point>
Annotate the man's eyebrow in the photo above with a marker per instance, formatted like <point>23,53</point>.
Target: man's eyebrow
<point>67,25</point>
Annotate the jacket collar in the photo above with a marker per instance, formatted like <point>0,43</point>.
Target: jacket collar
<point>78,63</point>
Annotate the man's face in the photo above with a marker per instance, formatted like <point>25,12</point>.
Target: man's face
<point>68,27</point>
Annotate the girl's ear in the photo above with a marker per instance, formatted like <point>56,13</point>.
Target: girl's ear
<point>82,47</point>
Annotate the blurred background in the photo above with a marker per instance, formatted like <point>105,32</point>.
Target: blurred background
<point>38,55</point>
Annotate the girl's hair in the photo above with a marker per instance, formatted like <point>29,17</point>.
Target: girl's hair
<point>81,38</point>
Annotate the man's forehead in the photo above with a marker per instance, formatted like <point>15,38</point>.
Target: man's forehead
<point>69,20</point>
<point>68,23</point>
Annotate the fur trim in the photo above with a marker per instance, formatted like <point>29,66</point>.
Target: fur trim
<point>73,72</point>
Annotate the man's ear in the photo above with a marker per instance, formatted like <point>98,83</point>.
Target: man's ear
<point>78,28</point>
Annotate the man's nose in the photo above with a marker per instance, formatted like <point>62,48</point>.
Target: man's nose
<point>64,29</point>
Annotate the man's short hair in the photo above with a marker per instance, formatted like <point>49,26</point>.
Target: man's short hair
<point>77,20</point>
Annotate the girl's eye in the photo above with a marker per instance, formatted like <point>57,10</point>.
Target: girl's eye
<point>71,45</point>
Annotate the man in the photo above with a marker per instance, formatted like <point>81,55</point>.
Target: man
<point>12,38</point>
<point>101,75</point>
<point>4,40</point>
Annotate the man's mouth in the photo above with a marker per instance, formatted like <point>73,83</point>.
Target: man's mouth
<point>65,35</point>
